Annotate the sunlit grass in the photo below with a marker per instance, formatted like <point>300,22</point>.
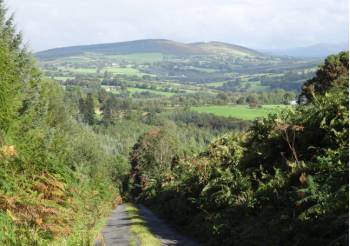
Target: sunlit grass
<point>138,57</point>
<point>216,84</point>
<point>124,71</point>
<point>139,228</point>
<point>240,111</point>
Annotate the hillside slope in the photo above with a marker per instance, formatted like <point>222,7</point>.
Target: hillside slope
<point>225,48</point>
<point>149,46</point>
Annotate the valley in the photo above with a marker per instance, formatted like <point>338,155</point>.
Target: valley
<point>160,142</point>
<point>179,74</point>
<point>209,132</point>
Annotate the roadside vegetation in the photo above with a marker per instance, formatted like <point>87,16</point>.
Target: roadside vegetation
<point>58,177</point>
<point>282,182</point>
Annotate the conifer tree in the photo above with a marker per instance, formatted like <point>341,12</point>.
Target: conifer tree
<point>108,111</point>
<point>89,110</point>
<point>82,107</point>
<point>10,60</point>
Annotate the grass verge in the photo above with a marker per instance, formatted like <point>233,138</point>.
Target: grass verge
<point>139,228</point>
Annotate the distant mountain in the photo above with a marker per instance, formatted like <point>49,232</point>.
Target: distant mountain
<point>224,48</point>
<point>316,51</point>
<point>150,46</point>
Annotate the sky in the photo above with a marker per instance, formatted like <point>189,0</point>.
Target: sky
<point>263,24</point>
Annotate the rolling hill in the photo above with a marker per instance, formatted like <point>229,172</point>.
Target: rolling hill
<point>150,46</point>
<point>224,48</point>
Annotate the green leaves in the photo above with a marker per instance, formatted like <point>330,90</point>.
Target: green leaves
<point>334,73</point>
<point>226,189</point>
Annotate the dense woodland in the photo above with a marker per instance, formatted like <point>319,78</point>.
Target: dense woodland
<point>58,177</point>
<point>71,151</point>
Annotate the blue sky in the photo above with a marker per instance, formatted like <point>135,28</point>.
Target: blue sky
<point>253,23</point>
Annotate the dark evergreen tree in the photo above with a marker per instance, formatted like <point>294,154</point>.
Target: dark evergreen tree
<point>82,107</point>
<point>102,96</point>
<point>13,59</point>
<point>89,116</point>
<point>109,111</point>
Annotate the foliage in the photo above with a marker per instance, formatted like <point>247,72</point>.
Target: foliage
<point>151,157</point>
<point>209,121</point>
<point>334,72</point>
<point>283,182</point>
<point>58,177</point>
<point>87,109</point>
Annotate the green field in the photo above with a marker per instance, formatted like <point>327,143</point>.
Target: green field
<point>115,70</point>
<point>138,58</point>
<point>216,84</point>
<point>139,90</point>
<point>134,90</point>
<point>82,70</point>
<point>240,111</point>
<point>74,60</point>
<point>124,71</point>
<point>63,78</point>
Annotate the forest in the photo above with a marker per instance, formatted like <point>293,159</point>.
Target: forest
<point>77,139</point>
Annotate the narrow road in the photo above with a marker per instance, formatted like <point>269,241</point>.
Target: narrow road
<point>117,230</point>
<point>166,234</point>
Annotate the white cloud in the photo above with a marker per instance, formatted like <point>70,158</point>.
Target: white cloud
<point>262,23</point>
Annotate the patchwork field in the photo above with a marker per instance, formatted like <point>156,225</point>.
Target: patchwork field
<point>138,58</point>
<point>63,78</point>
<point>124,71</point>
<point>133,90</point>
<point>140,90</point>
<point>81,70</point>
<point>216,84</point>
<point>240,111</point>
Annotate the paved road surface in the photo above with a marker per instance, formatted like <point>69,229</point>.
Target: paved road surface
<point>166,234</point>
<point>116,232</point>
